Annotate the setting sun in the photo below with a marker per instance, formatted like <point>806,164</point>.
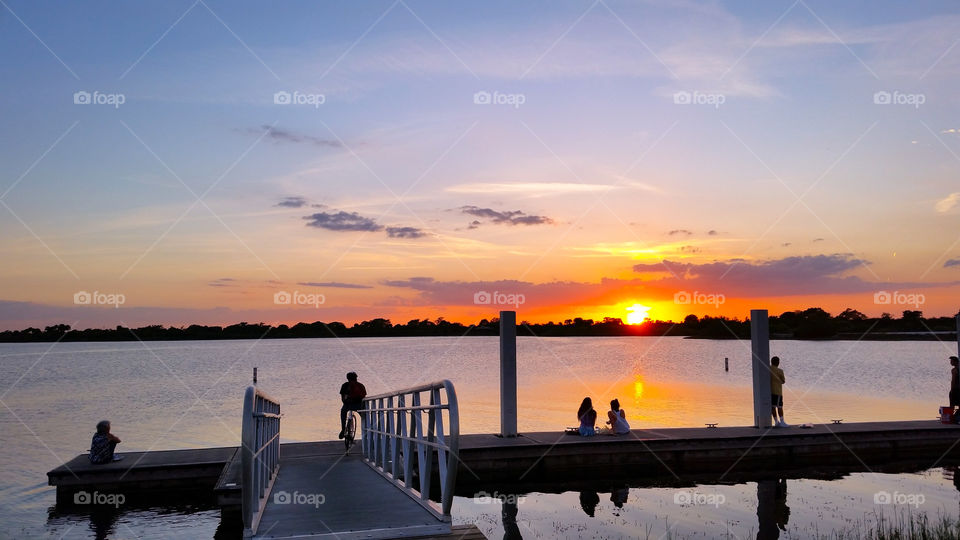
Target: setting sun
<point>637,313</point>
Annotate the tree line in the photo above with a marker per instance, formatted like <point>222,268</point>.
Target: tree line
<point>812,323</point>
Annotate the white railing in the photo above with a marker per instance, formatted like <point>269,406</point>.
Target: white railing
<point>259,455</point>
<point>396,438</point>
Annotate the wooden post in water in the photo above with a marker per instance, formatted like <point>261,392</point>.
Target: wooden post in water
<point>760,346</point>
<point>254,376</point>
<point>726,364</point>
<point>508,374</point>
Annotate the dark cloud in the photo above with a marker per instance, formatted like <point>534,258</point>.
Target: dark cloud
<point>951,262</point>
<point>284,136</point>
<point>712,232</point>
<point>405,232</point>
<point>221,282</point>
<point>292,202</point>
<point>818,239</point>
<point>680,231</point>
<point>509,217</point>
<point>342,221</point>
<point>334,285</point>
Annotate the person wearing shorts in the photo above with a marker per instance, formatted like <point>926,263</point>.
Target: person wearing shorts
<point>777,381</point>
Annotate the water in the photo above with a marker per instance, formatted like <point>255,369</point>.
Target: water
<point>170,395</point>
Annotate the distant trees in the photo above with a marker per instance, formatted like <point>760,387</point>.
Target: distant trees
<point>811,323</point>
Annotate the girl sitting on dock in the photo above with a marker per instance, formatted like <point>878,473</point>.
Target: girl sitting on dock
<point>587,417</point>
<point>103,444</point>
<point>617,419</point>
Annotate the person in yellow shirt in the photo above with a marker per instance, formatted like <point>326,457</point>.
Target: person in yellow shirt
<point>776,391</point>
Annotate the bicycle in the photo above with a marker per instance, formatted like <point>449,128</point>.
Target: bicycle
<point>350,430</point>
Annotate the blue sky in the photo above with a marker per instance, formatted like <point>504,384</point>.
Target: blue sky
<point>102,197</point>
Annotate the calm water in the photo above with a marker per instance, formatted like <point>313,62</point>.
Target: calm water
<point>169,395</point>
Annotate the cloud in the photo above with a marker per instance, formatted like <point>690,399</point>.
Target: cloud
<point>528,188</point>
<point>680,231</point>
<point>221,282</point>
<point>948,202</point>
<point>292,202</point>
<point>712,232</point>
<point>405,232</point>
<point>342,221</point>
<point>951,262</point>
<point>509,217</point>
<point>333,285</point>
<point>284,136</point>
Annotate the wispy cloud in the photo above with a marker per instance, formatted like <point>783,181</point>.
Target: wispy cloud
<point>292,202</point>
<point>342,221</point>
<point>508,217</point>
<point>333,285</point>
<point>947,203</point>
<point>284,136</point>
<point>951,262</point>
<point>405,232</point>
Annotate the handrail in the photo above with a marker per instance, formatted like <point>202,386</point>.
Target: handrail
<point>396,439</point>
<point>259,455</point>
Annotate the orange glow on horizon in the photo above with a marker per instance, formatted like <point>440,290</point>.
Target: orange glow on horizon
<point>637,313</point>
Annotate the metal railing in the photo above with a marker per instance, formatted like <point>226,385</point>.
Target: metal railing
<point>259,455</point>
<point>400,444</point>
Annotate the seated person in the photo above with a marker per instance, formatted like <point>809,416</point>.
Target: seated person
<point>587,417</point>
<point>103,444</point>
<point>617,419</point>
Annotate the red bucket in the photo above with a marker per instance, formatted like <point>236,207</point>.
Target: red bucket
<point>946,415</point>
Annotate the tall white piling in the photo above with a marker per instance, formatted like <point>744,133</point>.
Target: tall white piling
<point>508,373</point>
<point>760,346</point>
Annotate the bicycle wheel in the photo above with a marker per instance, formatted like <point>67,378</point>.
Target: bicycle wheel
<point>350,431</point>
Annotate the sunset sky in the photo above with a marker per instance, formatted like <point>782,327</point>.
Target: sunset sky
<point>401,159</point>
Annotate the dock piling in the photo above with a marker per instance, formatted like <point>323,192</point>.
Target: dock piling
<point>760,346</point>
<point>508,374</point>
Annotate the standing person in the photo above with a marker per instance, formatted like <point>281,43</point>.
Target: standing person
<point>617,418</point>
<point>103,444</point>
<point>777,381</point>
<point>352,393</point>
<point>954,383</point>
<point>587,417</point>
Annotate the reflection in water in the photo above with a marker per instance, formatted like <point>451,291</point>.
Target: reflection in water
<point>772,510</point>
<point>511,531</point>
<point>589,501</point>
<point>619,497</point>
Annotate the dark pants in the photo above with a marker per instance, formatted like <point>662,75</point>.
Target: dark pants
<point>348,406</point>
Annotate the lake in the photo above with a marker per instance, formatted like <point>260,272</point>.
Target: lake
<point>172,395</point>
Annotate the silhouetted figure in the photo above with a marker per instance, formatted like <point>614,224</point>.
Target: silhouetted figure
<point>954,383</point>
<point>589,501</point>
<point>509,510</point>
<point>619,498</point>
<point>103,521</point>
<point>352,393</point>
<point>777,380</point>
<point>617,418</point>
<point>772,510</point>
<point>587,417</point>
<point>103,445</point>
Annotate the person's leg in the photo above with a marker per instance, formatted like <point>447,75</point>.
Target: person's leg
<point>343,419</point>
<point>111,446</point>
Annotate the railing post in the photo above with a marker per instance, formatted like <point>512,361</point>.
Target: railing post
<point>259,455</point>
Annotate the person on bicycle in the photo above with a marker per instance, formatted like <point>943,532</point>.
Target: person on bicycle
<point>352,393</point>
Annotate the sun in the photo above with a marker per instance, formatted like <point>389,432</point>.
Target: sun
<point>637,313</point>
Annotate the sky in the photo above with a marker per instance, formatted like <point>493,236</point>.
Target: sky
<point>206,162</point>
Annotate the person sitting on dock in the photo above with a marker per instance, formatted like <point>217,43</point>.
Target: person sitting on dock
<point>587,417</point>
<point>777,380</point>
<point>103,444</point>
<point>617,419</point>
<point>954,384</point>
<point>352,393</point>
